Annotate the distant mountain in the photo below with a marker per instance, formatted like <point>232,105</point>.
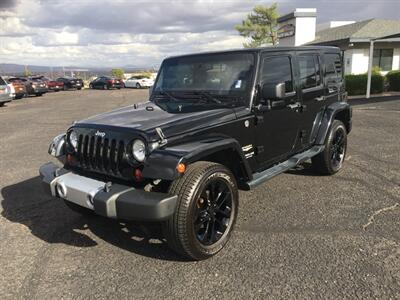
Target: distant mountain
<point>16,69</point>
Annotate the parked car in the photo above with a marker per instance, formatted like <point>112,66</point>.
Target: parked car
<point>39,87</point>
<point>19,88</point>
<point>11,89</point>
<point>55,85</point>
<point>70,83</point>
<point>33,86</point>
<point>52,85</point>
<point>105,83</point>
<point>80,83</point>
<point>5,92</point>
<point>232,120</point>
<point>139,82</point>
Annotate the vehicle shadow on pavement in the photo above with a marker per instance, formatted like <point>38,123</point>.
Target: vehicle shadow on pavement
<point>303,169</point>
<point>50,220</point>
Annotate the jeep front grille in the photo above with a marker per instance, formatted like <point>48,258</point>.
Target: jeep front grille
<point>100,154</point>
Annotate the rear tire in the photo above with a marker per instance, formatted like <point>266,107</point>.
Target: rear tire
<point>79,209</point>
<point>330,161</point>
<point>38,94</point>
<point>206,210</point>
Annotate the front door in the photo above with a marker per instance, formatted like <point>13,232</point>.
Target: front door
<point>277,128</point>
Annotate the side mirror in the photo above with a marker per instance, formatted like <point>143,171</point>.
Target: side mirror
<point>273,91</point>
<point>151,90</point>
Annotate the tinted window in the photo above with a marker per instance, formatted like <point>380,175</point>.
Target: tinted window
<point>2,82</point>
<point>309,76</point>
<point>333,67</point>
<point>217,73</point>
<point>276,70</point>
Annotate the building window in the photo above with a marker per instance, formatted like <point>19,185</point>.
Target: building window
<point>383,58</point>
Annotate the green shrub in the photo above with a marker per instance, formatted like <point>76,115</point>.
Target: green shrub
<point>393,79</point>
<point>357,84</point>
<point>376,70</point>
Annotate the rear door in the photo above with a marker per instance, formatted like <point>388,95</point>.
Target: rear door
<point>277,128</point>
<point>312,91</point>
<point>334,83</point>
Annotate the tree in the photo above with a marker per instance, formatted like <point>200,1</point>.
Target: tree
<point>27,72</point>
<point>260,26</point>
<point>118,73</point>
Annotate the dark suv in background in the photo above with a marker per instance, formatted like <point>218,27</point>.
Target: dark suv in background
<point>106,83</point>
<point>71,83</point>
<point>214,123</point>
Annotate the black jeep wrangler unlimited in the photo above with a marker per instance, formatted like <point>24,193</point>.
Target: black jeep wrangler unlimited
<point>214,123</point>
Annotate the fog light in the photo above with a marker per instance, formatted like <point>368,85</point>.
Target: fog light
<point>61,190</point>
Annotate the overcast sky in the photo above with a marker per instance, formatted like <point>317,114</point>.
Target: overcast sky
<point>141,33</point>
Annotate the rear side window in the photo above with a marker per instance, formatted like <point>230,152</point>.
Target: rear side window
<point>333,64</point>
<point>310,73</point>
<point>276,70</point>
<point>2,82</point>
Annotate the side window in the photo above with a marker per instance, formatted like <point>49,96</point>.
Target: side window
<point>276,70</point>
<point>309,71</point>
<point>333,67</point>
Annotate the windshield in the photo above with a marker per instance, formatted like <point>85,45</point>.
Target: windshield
<point>204,81</point>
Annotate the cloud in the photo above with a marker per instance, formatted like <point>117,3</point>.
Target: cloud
<point>124,32</point>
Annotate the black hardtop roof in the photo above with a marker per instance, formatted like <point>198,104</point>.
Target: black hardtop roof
<point>266,49</point>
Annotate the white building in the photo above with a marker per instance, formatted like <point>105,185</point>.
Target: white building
<point>354,38</point>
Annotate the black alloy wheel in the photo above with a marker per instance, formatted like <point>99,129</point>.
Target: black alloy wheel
<point>338,148</point>
<point>330,161</point>
<point>213,212</point>
<point>206,210</point>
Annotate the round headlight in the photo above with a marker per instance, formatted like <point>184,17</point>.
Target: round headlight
<point>139,150</point>
<point>73,139</point>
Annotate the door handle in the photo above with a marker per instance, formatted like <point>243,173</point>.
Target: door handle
<point>322,98</point>
<point>294,106</point>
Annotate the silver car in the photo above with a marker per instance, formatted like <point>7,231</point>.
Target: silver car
<point>5,92</point>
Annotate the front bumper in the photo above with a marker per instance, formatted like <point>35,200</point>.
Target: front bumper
<point>108,200</point>
<point>40,90</point>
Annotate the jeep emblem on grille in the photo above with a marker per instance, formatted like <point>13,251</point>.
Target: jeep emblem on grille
<point>100,133</point>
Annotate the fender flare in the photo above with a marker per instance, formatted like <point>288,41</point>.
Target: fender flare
<point>329,116</point>
<point>161,163</point>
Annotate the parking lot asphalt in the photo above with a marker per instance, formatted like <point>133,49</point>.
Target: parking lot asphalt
<point>297,236</point>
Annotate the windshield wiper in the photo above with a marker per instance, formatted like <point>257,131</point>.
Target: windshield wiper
<point>169,95</point>
<point>207,95</point>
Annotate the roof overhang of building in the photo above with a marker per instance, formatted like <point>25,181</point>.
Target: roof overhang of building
<point>296,14</point>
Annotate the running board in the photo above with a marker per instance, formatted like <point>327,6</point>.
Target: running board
<point>263,176</point>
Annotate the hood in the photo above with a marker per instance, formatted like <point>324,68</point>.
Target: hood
<point>148,116</point>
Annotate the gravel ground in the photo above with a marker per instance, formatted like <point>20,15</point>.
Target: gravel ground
<point>297,236</point>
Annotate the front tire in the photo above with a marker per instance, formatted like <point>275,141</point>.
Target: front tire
<point>138,86</point>
<point>330,161</point>
<point>206,211</point>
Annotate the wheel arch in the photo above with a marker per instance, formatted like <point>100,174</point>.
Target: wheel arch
<point>337,111</point>
<point>161,163</point>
